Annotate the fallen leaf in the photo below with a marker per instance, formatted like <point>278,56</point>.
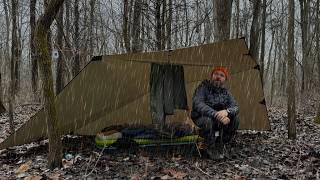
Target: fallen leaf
<point>136,177</point>
<point>239,177</point>
<point>66,163</point>
<point>33,178</point>
<point>24,167</point>
<point>175,174</point>
<point>166,177</point>
<point>55,177</point>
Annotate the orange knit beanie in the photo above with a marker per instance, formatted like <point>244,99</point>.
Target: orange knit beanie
<point>222,69</point>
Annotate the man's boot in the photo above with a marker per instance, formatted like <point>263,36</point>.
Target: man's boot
<point>215,150</point>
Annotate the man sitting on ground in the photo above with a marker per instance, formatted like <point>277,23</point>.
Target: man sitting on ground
<point>215,111</point>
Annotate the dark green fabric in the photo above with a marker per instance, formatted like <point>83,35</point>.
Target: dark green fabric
<point>167,91</point>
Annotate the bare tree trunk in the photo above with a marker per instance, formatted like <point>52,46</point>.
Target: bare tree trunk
<point>283,84</point>
<point>67,39</point>
<point>147,26</point>
<point>14,62</point>
<point>222,16</point>
<point>18,48</point>
<point>92,9</point>
<point>76,38</point>
<point>291,74</point>
<point>158,24</point>
<point>46,3</point>
<point>176,26</point>
<point>198,25</point>
<point>273,78</point>
<point>317,119</point>
<point>245,19</point>
<point>169,24</point>
<point>186,23</point>
<point>6,11</point>
<point>143,25</point>
<point>318,44</point>
<point>42,50</point>
<point>281,60</point>
<point>125,25</point>
<point>60,64</point>
<point>7,47</point>
<point>254,32</point>
<point>34,62</point>
<point>2,108</point>
<point>263,36</point>
<point>207,24</point>
<point>237,18</point>
<point>269,57</point>
<point>136,26</point>
<point>304,16</point>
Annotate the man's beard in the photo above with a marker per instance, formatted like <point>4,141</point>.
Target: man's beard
<point>216,83</point>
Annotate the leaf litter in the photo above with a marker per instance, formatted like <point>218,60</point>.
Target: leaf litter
<point>258,155</point>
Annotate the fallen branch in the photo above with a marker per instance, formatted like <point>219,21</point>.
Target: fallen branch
<point>202,170</point>
<point>95,165</point>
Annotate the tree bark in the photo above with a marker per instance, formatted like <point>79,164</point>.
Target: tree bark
<point>7,47</point>
<point>125,25</point>
<point>163,25</point>
<point>18,47</point>
<point>76,38</point>
<point>263,36</point>
<point>304,16</point>
<point>222,16</point>
<point>176,26</point>
<point>197,23</point>
<point>273,77</point>
<point>14,62</point>
<point>41,43</point>
<point>318,44</point>
<point>237,18</point>
<point>68,17</point>
<point>34,62</point>
<point>269,57</point>
<point>207,24</point>
<point>49,34</point>
<point>317,119</point>
<point>169,25</point>
<point>2,108</point>
<point>186,42</point>
<point>92,9</point>
<point>291,74</point>
<point>158,24</point>
<point>60,64</point>
<point>136,26</point>
<point>6,11</point>
<point>254,31</point>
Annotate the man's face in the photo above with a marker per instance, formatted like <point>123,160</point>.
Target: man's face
<point>218,78</point>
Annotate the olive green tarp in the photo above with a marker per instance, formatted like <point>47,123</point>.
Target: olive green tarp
<point>114,90</point>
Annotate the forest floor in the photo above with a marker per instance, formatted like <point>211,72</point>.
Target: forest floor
<point>260,155</point>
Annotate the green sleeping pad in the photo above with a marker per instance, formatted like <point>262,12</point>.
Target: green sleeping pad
<point>151,142</point>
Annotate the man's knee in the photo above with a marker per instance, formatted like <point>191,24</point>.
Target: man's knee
<point>230,130</point>
<point>235,121</point>
<point>204,122</point>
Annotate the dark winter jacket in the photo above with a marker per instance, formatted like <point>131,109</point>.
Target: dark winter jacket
<point>208,99</point>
